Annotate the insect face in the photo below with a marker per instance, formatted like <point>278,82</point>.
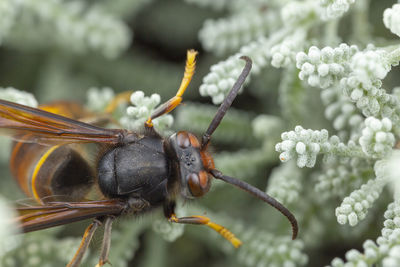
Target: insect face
<point>193,175</point>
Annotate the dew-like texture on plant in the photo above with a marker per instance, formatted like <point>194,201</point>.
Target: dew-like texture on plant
<point>316,125</point>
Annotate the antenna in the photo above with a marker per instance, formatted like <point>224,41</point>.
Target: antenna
<point>261,195</point>
<point>227,103</point>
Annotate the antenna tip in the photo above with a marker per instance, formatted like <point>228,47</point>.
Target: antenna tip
<point>294,235</point>
<point>247,59</point>
<point>295,227</point>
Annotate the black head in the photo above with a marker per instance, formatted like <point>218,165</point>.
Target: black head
<point>196,165</point>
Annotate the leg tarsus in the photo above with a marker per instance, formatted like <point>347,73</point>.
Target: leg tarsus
<point>164,109</point>
<point>87,237</point>
<point>105,247</point>
<point>172,103</point>
<point>202,220</point>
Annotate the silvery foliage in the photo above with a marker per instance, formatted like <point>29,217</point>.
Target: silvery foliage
<point>365,117</point>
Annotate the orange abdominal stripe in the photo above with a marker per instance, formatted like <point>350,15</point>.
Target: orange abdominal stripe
<point>36,171</point>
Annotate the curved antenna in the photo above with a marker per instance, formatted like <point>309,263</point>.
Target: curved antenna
<point>261,195</point>
<point>227,102</point>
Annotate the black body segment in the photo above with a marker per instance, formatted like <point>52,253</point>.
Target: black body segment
<point>139,170</point>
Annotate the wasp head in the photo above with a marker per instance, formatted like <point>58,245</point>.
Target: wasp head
<point>194,164</point>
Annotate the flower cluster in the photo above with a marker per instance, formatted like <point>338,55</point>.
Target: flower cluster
<point>385,250</point>
<point>322,68</point>
<point>340,110</point>
<point>99,98</point>
<point>335,8</point>
<point>221,79</point>
<point>335,176</point>
<point>354,208</point>
<point>391,18</point>
<point>20,97</point>
<point>8,230</point>
<point>223,74</point>
<point>391,235</point>
<point>141,110</point>
<point>283,185</point>
<point>307,144</point>
<point>74,26</point>
<point>377,140</point>
<point>297,14</point>
<point>41,250</point>
<point>284,54</point>
<point>267,250</point>
<point>362,85</point>
<point>227,35</point>
<point>8,11</point>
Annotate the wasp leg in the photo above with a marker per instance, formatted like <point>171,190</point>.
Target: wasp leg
<point>177,99</point>
<point>87,237</point>
<point>201,220</point>
<point>119,99</point>
<point>105,247</point>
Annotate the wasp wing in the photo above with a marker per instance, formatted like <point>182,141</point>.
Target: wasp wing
<point>33,218</point>
<point>34,125</point>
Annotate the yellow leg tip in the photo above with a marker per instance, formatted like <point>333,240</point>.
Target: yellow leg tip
<point>149,123</point>
<point>102,263</point>
<point>173,218</point>
<point>225,233</point>
<point>236,242</point>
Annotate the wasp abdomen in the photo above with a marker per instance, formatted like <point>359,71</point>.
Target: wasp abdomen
<point>56,171</point>
<point>49,172</point>
<point>137,169</point>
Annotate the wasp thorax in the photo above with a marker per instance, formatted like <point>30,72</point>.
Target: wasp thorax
<point>139,169</point>
<point>193,175</point>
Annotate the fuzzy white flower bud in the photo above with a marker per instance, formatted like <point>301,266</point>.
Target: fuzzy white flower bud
<point>141,110</point>
<point>391,19</point>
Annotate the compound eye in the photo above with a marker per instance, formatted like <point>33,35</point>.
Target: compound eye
<point>198,183</point>
<point>182,139</point>
<point>194,141</point>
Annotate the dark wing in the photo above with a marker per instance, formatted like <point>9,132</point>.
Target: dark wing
<point>33,218</point>
<point>48,128</point>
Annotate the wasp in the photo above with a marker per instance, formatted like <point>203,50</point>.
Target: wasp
<point>133,172</point>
